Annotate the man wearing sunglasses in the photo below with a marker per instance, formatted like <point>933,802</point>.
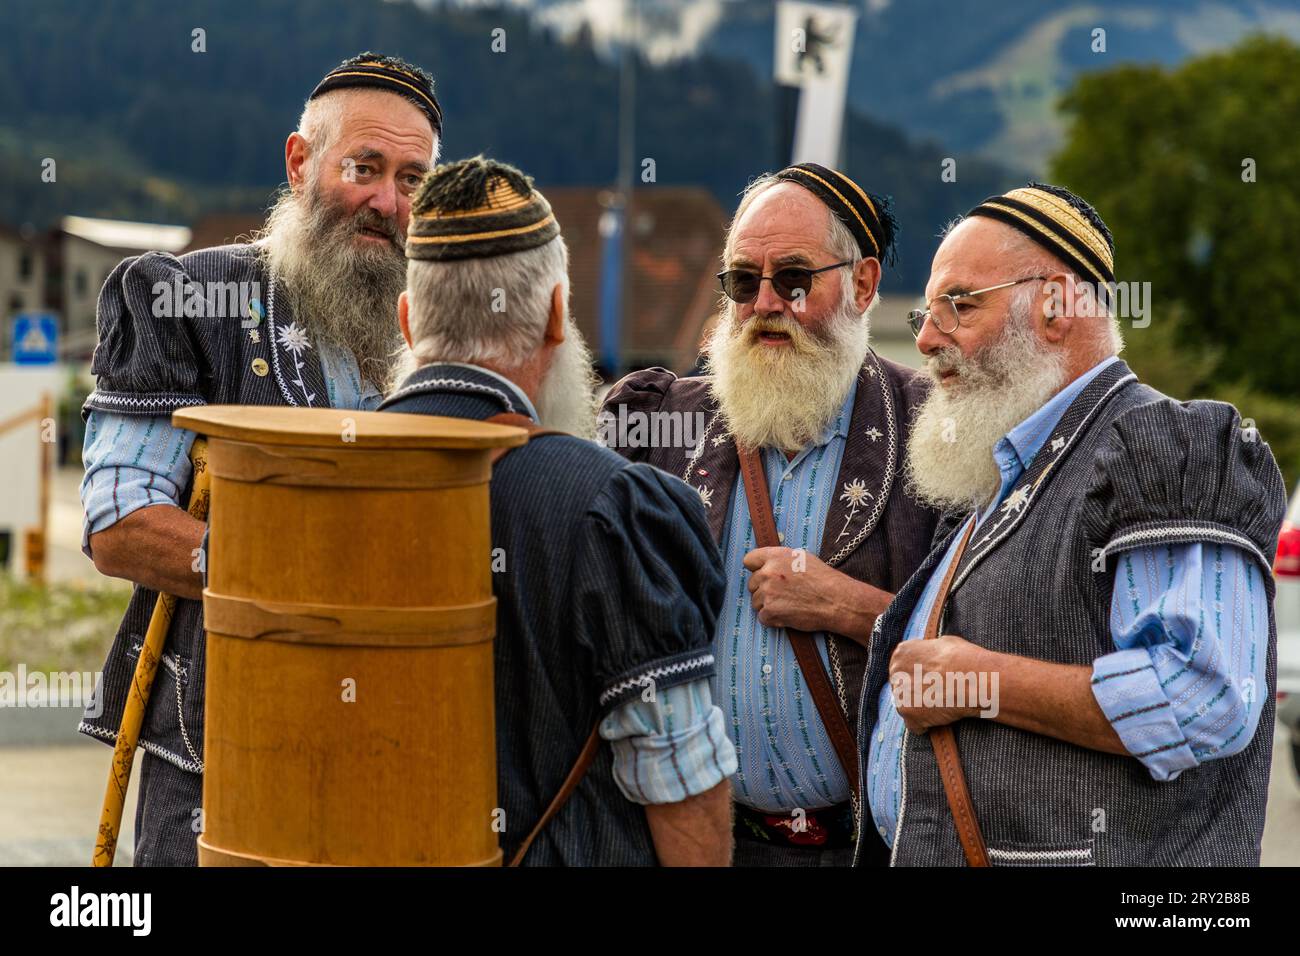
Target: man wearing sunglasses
<point>802,416</point>
<point>1105,571</point>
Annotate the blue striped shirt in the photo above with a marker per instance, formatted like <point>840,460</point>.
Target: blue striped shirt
<point>1190,622</point>
<point>670,748</point>
<point>786,759</point>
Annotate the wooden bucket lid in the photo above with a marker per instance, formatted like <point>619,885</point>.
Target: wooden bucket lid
<point>316,427</point>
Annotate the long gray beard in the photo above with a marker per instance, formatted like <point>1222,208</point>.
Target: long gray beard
<point>567,397</point>
<point>784,398</point>
<point>950,450</point>
<point>340,292</point>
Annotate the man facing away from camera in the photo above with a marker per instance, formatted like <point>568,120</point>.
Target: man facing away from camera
<point>796,402</point>
<point>609,587</point>
<point>1105,574</point>
<point>302,317</point>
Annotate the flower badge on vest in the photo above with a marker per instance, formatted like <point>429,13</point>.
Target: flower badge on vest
<point>294,341</point>
<point>856,494</point>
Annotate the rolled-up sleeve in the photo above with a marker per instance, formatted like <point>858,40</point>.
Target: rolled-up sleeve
<point>131,462</point>
<point>1191,625</point>
<point>669,746</point>
<point>647,584</point>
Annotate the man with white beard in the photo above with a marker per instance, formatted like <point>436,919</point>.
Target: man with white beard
<point>605,576</point>
<point>304,317</point>
<point>1082,672</point>
<point>800,412</point>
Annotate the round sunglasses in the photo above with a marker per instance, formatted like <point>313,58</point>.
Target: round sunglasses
<point>790,283</point>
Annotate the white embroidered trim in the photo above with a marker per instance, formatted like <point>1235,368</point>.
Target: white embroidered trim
<point>110,398</point>
<point>1166,533</point>
<point>454,383</point>
<point>1082,854</point>
<point>103,733</point>
<point>642,679</point>
<point>699,446</point>
<point>890,462</point>
<point>275,355</point>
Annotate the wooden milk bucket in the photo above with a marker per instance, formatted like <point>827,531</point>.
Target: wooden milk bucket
<point>350,616</point>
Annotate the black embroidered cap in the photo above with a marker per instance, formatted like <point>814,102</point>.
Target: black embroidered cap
<point>476,208</point>
<point>1062,223</point>
<point>391,73</point>
<point>866,215</point>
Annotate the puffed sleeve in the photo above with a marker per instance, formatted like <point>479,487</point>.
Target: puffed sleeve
<point>145,362</point>
<point>647,584</point>
<point>637,392</point>
<point>1181,472</point>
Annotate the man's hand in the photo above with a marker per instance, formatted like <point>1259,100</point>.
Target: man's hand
<point>943,655</point>
<point>695,831</point>
<point>791,588</point>
<point>1041,697</point>
<point>154,547</point>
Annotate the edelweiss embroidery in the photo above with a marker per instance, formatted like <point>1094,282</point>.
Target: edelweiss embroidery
<point>856,494</point>
<point>294,341</point>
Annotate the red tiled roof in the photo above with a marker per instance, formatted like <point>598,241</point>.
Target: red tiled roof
<point>676,235</point>
<point>222,228</point>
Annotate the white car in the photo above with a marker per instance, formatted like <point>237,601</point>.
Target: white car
<point>1286,572</point>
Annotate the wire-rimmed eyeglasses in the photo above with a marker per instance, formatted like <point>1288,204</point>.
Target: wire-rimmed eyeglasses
<point>942,309</point>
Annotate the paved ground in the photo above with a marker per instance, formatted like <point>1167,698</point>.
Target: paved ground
<point>50,798</point>
<point>1282,824</point>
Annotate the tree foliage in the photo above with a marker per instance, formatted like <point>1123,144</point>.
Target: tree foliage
<point>1167,157</point>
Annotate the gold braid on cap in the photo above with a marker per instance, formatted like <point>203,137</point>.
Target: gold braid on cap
<point>477,208</point>
<point>1061,223</point>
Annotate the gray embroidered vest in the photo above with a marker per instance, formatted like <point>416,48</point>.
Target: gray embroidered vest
<point>174,333</point>
<point>1125,467</point>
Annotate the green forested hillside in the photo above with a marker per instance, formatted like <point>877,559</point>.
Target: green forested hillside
<point>141,126</point>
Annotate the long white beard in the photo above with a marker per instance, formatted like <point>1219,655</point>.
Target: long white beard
<point>785,397</point>
<point>567,397</point>
<point>342,293</point>
<point>950,450</point>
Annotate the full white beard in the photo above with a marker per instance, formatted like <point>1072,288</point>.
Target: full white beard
<point>567,398</point>
<point>950,451</point>
<point>785,397</point>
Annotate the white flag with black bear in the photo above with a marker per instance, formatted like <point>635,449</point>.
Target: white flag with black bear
<point>814,51</point>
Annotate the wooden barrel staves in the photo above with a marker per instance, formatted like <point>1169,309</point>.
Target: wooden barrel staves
<point>350,617</point>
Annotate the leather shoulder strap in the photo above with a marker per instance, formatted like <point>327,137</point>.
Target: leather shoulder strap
<point>518,421</point>
<point>579,770</point>
<point>944,741</point>
<point>804,644</point>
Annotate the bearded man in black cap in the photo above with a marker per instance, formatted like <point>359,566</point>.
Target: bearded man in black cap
<point>1081,673</point>
<point>608,588</point>
<point>302,317</point>
<point>798,468</point>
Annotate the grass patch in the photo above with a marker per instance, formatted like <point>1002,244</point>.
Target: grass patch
<point>61,627</point>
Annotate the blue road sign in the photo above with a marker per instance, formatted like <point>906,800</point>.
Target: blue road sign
<point>36,338</point>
